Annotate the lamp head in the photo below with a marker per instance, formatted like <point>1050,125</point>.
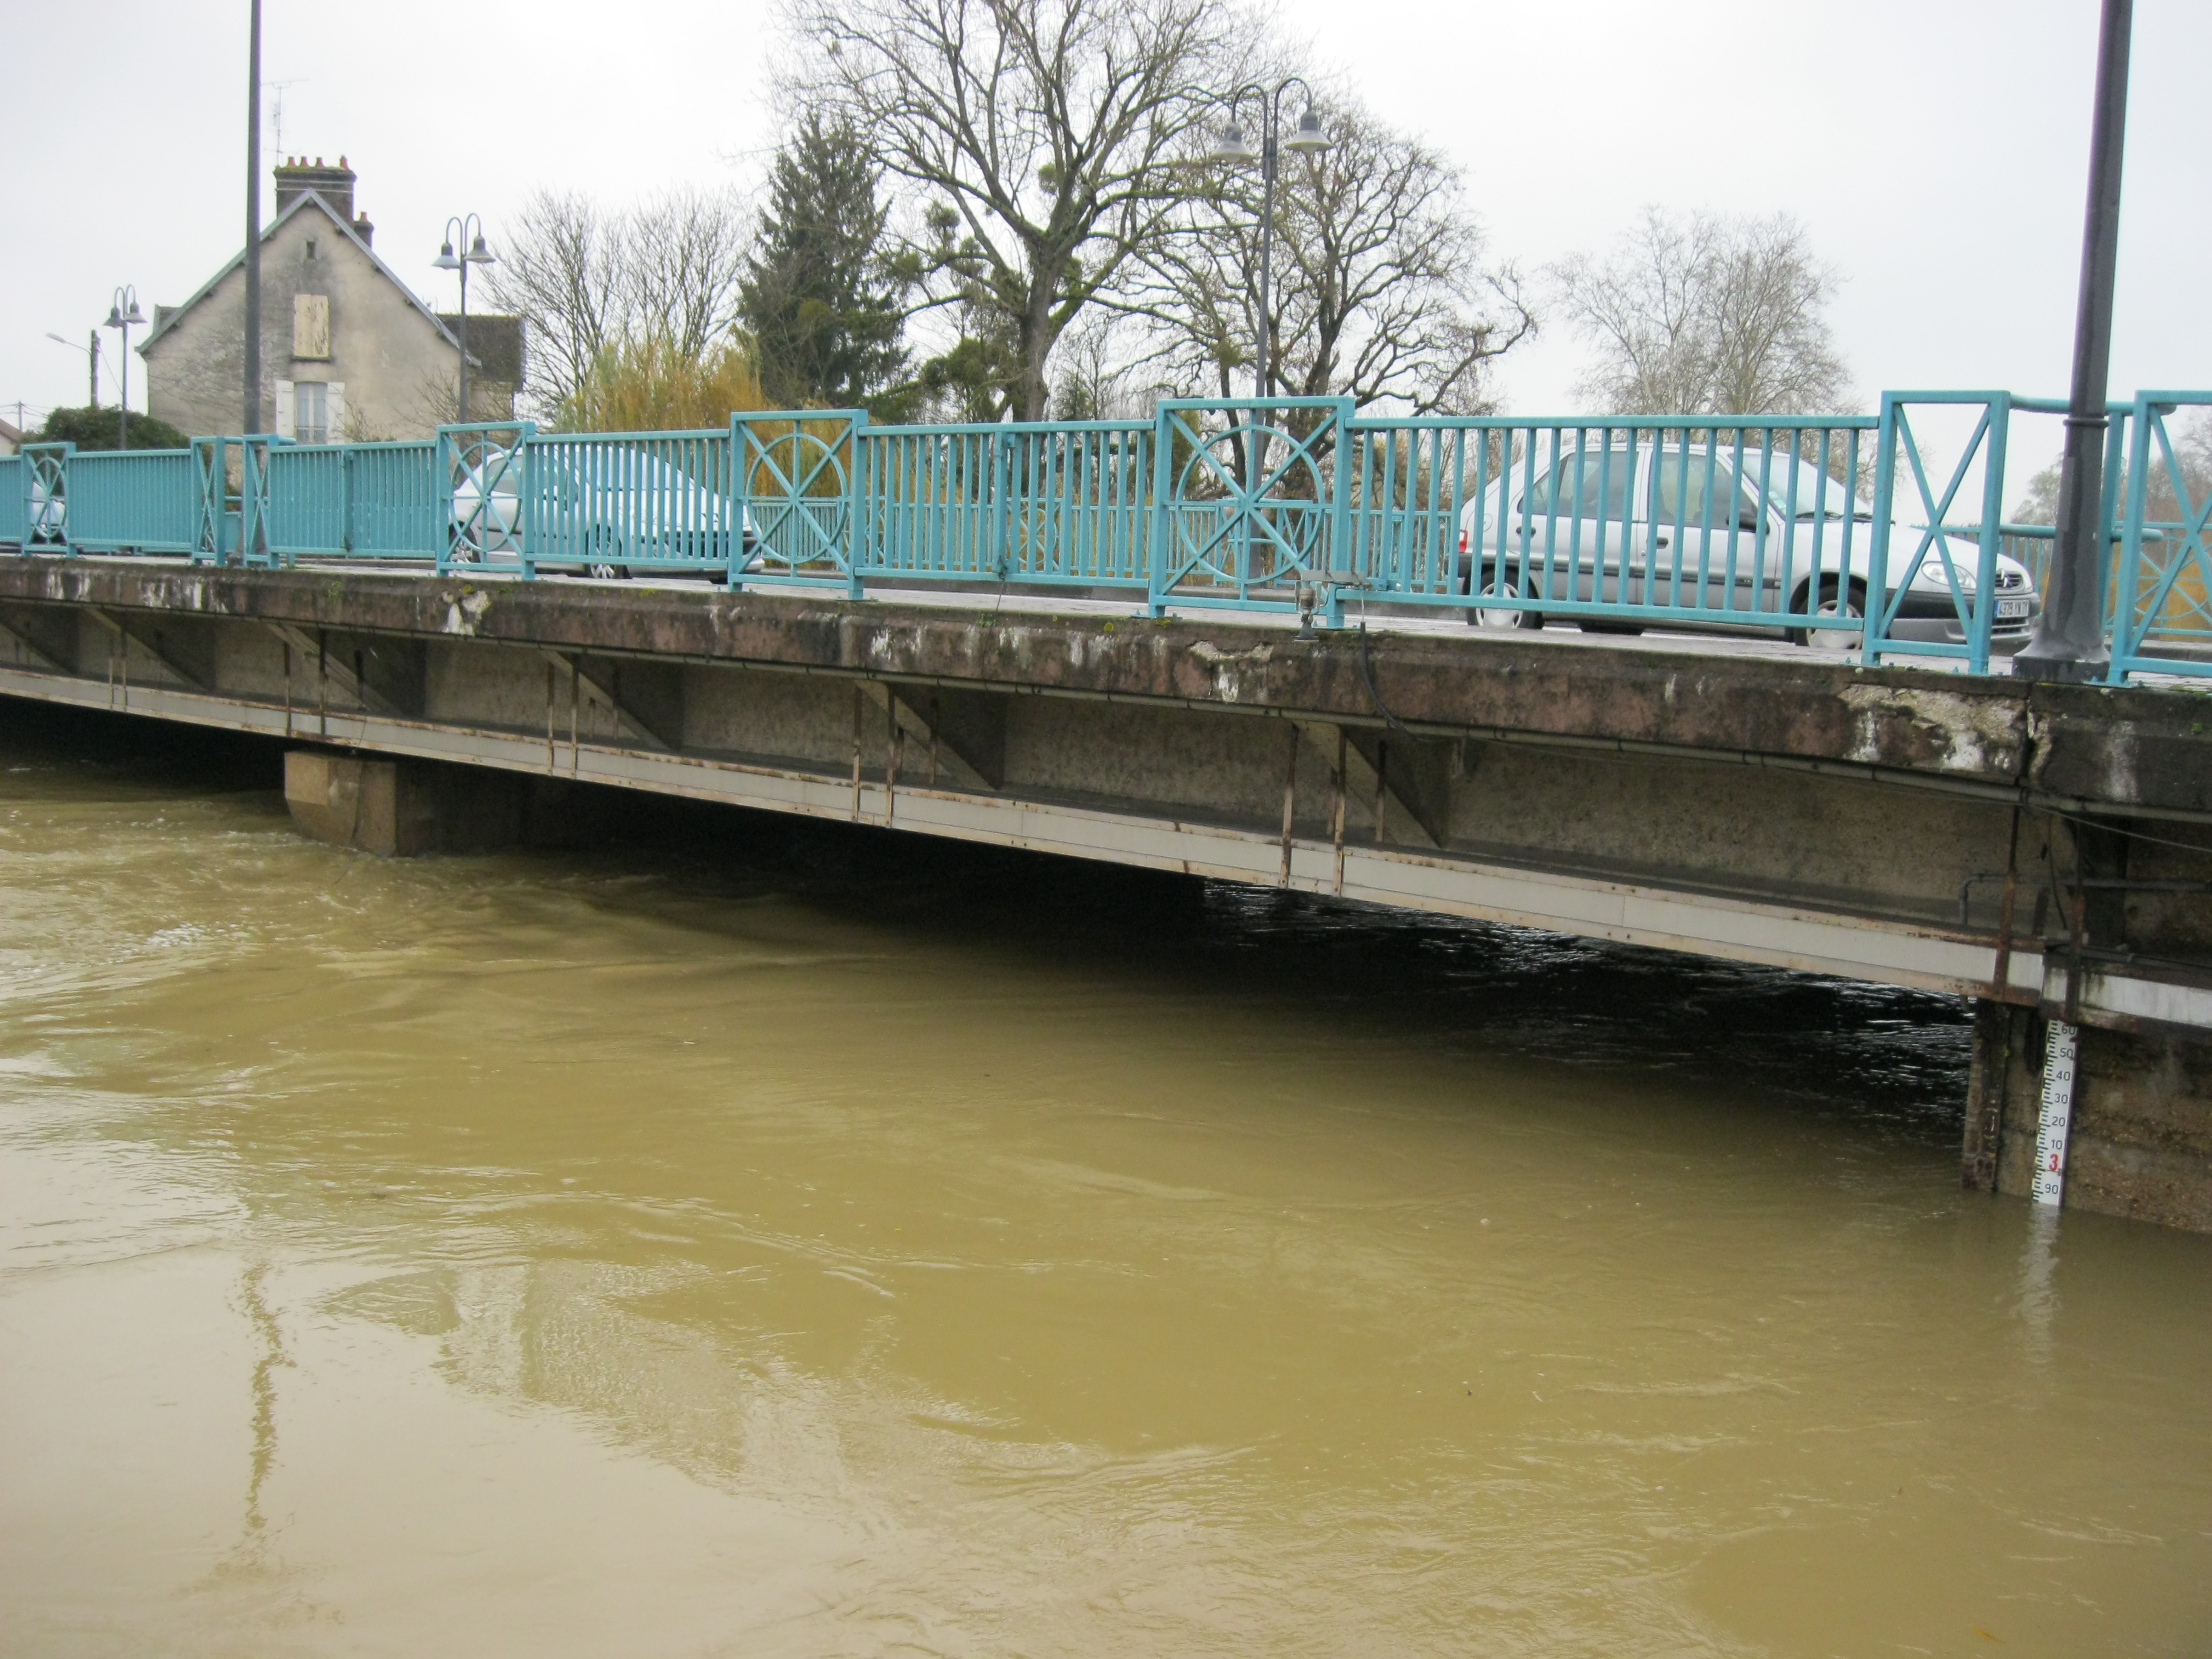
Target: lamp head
<point>445,261</point>
<point>133,316</point>
<point>1309,139</point>
<point>1235,149</point>
<point>478,254</point>
<point>114,317</point>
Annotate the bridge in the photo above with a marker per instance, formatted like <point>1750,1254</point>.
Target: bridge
<point>1228,642</point>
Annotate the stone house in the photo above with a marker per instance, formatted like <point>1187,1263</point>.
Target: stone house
<point>348,352</point>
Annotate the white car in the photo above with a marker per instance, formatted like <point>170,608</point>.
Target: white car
<point>602,512</point>
<point>48,517</point>
<point>1673,526</point>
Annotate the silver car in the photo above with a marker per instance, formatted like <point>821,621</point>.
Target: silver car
<point>603,511</point>
<point>1674,526</point>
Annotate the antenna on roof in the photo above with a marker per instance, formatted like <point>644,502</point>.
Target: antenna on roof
<point>276,110</point>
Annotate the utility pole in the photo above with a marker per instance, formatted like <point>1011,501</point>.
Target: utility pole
<point>253,224</point>
<point>2070,637</point>
<point>92,375</point>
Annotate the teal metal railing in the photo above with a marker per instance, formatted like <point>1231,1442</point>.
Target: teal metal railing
<point>1839,531</point>
<point>15,500</point>
<point>2165,573</point>
<point>142,498</point>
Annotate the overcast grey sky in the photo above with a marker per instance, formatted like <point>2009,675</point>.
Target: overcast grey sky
<point>1935,150</point>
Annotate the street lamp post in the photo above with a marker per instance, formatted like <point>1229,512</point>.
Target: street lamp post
<point>468,232</point>
<point>122,316</point>
<point>252,410</point>
<point>2069,635</point>
<point>1235,149</point>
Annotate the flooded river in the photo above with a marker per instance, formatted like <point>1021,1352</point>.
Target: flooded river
<point>757,1242</point>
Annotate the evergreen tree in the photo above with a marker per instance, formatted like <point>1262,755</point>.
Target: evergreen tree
<point>823,310</point>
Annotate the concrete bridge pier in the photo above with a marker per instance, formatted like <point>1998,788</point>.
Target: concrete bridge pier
<point>2138,894</point>
<point>404,807</point>
<point>2141,1141</point>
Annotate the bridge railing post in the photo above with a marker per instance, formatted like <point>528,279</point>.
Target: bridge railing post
<point>1337,563</point>
<point>741,473</point>
<point>1938,543</point>
<point>1156,543</point>
<point>45,492</point>
<point>800,490</point>
<point>2166,595</point>
<point>857,540</point>
<point>483,492</point>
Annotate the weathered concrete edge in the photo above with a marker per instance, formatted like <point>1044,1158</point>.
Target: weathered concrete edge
<point>2121,747</point>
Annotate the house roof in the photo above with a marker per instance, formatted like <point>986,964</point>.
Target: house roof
<point>9,434</point>
<point>169,315</point>
<point>495,344</point>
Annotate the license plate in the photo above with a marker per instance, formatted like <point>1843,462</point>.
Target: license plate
<point>2006,608</point>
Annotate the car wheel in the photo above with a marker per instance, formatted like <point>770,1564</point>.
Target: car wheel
<point>1847,605</point>
<point>602,566</point>
<point>1482,616</point>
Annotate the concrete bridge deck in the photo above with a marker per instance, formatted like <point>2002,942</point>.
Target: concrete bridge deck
<point>2044,849</point>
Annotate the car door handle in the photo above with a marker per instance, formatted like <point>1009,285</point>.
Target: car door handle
<point>1659,541</point>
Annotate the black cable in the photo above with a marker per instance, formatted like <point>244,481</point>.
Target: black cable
<point>1367,673</point>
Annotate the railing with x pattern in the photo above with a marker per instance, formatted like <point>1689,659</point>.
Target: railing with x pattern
<point>1848,531</point>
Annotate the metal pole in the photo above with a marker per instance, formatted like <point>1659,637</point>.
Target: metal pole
<point>253,225</point>
<point>1264,373</point>
<point>1267,235</point>
<point>463,416</point>
<point>2070,637</point>
<point>123,397</point>
<point>91,371</point>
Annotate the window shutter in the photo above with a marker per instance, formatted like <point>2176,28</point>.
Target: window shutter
<point>336,406</point>
<point>286,427</point>
<point>311,327</point>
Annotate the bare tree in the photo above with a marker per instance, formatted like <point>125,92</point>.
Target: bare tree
<point>1097,375</point>
<point>1379,291</point>
<point>588,282</point>
<point>1707,314</point>
<point>559,271</point>
<point>681,258</point>
<point>1040,137</point>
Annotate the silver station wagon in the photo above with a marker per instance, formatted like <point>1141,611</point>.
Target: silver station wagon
<point>1706,535</point>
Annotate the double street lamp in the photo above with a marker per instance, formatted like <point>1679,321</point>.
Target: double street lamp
<point>1235,149</point>
<point>122,316</point>
<point>468,232</point>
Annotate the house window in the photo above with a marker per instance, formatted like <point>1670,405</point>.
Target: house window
<point>311,327</point>
<point>311,412</point>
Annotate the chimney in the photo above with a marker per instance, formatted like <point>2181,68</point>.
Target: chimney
<point>334,184</point>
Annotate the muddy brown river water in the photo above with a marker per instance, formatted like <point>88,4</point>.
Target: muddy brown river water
<point>747,1240</point>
